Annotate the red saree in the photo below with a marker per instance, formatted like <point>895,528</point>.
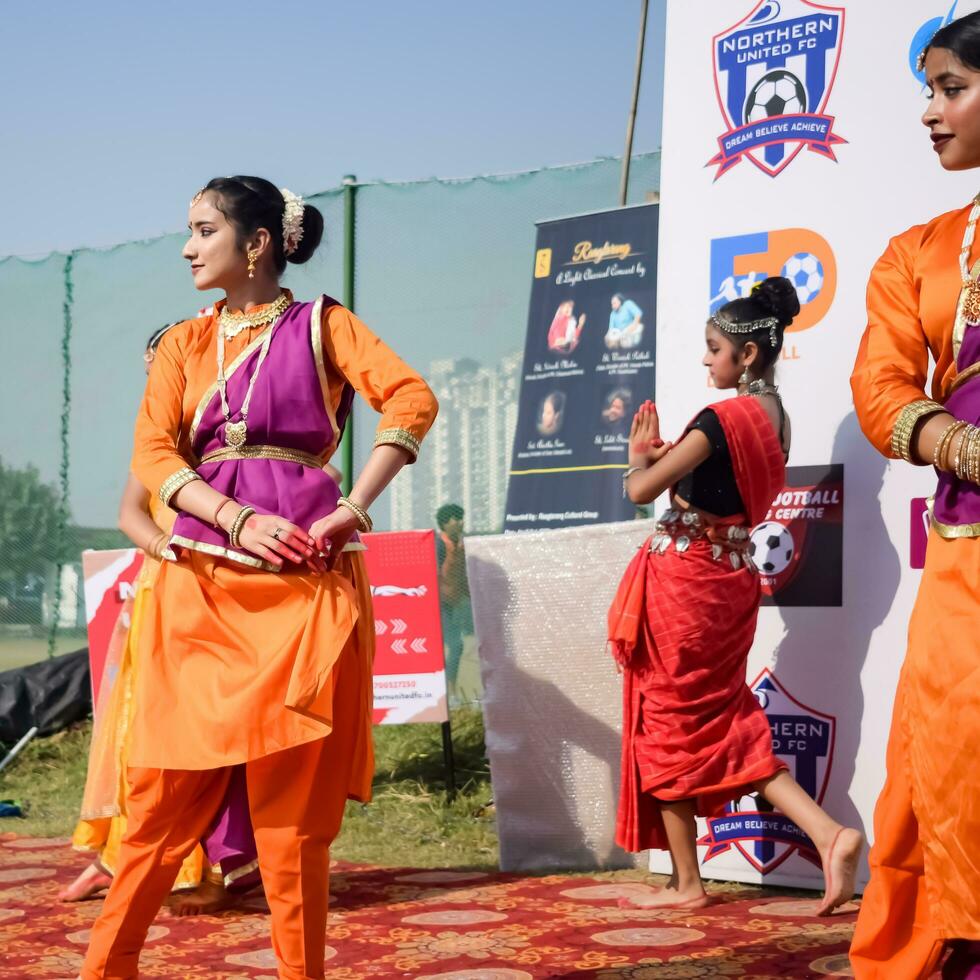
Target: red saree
<point>682,624</point>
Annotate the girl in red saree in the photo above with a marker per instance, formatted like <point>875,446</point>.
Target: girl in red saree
<point>683,621</point>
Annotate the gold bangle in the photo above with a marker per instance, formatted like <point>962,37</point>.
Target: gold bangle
<point>948,445</point>
<point>238,525</point>
<point>941,455</point>
<point>937,450</point>
<point>960,456</point>
<point>908,418</point>
<point>364,521</point>
<point>217,511</point>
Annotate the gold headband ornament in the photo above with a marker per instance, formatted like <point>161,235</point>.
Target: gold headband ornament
<point>769,323</point>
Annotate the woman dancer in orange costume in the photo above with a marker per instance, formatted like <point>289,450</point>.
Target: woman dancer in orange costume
<point>683,621</point>
<point>924,303</point>
<point>260,634</point>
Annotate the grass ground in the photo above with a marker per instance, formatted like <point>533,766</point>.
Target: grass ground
<point>18,651</point>
<point>410,821</point>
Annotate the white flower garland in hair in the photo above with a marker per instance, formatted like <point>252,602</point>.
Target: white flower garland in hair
<point>292,221</point>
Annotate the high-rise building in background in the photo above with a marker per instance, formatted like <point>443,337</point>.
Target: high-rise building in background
<point>467,453</point>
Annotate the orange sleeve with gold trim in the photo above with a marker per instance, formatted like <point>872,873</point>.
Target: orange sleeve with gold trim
<point>893,359</point>
<point>156,462</point>
<point>406,403</point>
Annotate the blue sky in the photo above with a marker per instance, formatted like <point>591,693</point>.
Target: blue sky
<point>115,113</point>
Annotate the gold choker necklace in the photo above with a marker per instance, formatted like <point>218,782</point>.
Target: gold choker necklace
<point>232,324</point>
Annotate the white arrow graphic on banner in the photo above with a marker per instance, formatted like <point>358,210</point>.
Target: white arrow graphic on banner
<point>419,645</point>
<point>398,626</point>
<point>380,627</point>
<point>399,646</point>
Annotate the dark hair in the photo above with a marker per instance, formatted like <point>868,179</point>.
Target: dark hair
<point>154,342</point>
<point>619,296</point>
<point>250,203</point>
<point>961,37</point>
<point>773,297</point>
<point>557,399</point>
<point>447,512</point>
<point>623,394</point>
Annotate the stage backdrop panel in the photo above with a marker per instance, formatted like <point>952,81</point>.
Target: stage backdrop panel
<point>552,695</point>
<point>793,145</point>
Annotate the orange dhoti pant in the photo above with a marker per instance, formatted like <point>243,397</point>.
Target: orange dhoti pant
<point>296,794</point>
<point>925,862</point>
<point>296,798</point>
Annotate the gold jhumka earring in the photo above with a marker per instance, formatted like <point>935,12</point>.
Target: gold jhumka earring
<point>253,254</point>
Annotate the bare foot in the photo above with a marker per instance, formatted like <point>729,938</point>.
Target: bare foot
<point>694,897</point>
<point>840,868</point>
<point>208,897</point>
<point>88,884</point>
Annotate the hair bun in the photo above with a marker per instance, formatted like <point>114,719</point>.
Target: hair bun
<point>777,296</point>
<point>312,235</point>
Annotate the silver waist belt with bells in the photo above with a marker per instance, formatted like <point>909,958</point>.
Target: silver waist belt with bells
<point>681,528</point>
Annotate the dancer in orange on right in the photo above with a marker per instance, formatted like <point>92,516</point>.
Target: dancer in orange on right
<point>924,303</point>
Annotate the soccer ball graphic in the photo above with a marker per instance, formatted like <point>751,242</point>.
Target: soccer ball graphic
<point>805,272</point>
<point>777,93</point>
<point>771,548</point>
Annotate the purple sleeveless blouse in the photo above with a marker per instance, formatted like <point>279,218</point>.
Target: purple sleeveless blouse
<point>288,411</point>
<point>957,504</point>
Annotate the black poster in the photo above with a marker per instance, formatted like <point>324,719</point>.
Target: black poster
<point>588,363</point>
<point>799,547</point>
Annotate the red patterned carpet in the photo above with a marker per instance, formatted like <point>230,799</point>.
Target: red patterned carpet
<point>451,925</point>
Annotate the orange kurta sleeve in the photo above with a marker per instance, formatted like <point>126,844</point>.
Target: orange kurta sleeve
<point>889,377</point>
<point>406,403</point>
<point>157,463</point>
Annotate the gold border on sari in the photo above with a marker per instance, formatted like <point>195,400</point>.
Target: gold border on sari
<point>219,551</point>
<point>316,341</point>
<point>264,452</point>
<point>238,873</point>
<point>961,379</point>
<point>951,531</point>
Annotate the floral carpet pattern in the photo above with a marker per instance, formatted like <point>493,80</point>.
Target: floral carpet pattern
<point>437,925</point>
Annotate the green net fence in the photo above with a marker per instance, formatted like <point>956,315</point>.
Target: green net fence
<point>442,273</point>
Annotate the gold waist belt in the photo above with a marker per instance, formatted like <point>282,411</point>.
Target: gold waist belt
<point>264,452</point>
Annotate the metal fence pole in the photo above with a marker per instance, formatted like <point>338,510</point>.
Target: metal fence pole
<point>349,183</point>
<point>62,530</point>
<point>624,180</point>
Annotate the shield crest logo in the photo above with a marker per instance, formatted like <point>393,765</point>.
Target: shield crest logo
<point>774,71</point>
<point>804,739</point>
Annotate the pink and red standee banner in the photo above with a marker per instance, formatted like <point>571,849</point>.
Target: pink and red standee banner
<point>409,661</point>
<point>109,578</point>
<point>409,665</point>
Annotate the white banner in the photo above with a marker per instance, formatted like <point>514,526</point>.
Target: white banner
<point>793,145</point>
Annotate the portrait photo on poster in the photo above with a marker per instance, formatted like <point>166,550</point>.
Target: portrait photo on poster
<point>551,413</point>
<point>566,328</point>
<point>617,407</point>
<point>625,323</point>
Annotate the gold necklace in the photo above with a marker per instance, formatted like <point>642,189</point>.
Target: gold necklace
<point>232,324</point>
<point>970,287</point>
<point>236,433</point>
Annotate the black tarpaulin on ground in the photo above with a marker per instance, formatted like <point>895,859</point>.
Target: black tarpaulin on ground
<point>51,694</point>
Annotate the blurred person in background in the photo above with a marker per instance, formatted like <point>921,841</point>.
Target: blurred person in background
<point>454,589</point>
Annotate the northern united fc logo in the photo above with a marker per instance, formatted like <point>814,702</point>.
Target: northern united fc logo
<point>774,71</point>
<point>803,738</point>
